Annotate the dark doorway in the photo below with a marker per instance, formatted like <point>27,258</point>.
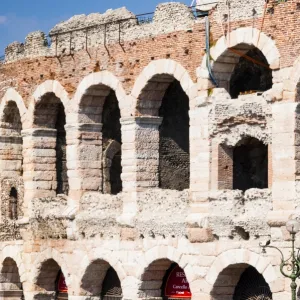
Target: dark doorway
<point>250,165</point>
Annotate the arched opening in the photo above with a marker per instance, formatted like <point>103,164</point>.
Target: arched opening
<point>13,204</point>
<point>50,115</point>
<point>10,283</point>
<point>51,282</point>
<point>164,97</point>
<point>100,279</point>
<point>243,69</point>
<point>99,105</point>
<point>250,165</point>
<point>11,142</point>
<point>112,133</point>
<point>241,282</point>
<point>164,279</point>
<point>174,158</point>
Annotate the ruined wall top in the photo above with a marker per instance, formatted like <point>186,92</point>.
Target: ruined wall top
<point>121,25</point>
<point>113,26</point>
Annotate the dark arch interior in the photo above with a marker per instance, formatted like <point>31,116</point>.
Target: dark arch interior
<point>12,128</point>
<point>250,165</point>
<point>240,282</point>
<point>252,285</point>
<point>12,116</point>
<point>61,159</point>
<point>50,113</point>
<point>48,275</point>
<point>251,74</point>
<point>11,280</point>
<point>174,157</point>
<point>111,288</point>
<point>13,205</point>
<point>112,131</point>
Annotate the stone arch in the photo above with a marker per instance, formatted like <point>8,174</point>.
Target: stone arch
<point>12,95</point>
<point>14,253</point>
<point>106,81</point>
<point>170,254</point>
<point>226,54</point>
<point>94,273</point>
<point>12,112</point>
<point>160,258</point>
<point>49,87</point>
<point>162,91</point>
<point>46,122</point>
<point>53,257</point>
<point>46,280</point>
<point>154,81</point>
<point>10,283</point>
<point>242,257</point>
<point>99,103</point>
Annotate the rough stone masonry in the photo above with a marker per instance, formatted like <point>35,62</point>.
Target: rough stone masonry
<point>131,145</point>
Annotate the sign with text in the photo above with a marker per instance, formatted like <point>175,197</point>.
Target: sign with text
<point>177,285</point>
<point>62,286</point>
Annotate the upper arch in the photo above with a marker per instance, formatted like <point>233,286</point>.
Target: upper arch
<point>51,86</point>
<point>249,36</point>
<point>164,67</point>
<point>12,95</point>
<point>105,78</point>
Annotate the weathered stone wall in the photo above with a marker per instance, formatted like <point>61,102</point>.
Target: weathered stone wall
<point>112,94</point>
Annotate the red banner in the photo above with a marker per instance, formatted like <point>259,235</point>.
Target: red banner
<point>177,285</point>
<point>62,286</point>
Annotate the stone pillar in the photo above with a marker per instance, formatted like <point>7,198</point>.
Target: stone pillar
<point>284,165</point>
<point>200,152</point>
<point>140,153</point>
<point>10,153</point>
<point>84,159</point>
<point>200,161</point>
<point>39,163</point>
<point>140,160</point>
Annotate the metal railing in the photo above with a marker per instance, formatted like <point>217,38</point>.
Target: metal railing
<point>145,18</point>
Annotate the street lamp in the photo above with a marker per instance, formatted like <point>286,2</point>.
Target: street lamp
<point>289,267</point>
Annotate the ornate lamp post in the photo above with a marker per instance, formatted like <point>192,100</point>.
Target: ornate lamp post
<point>289,267</point>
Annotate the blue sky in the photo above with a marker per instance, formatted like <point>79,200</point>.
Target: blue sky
<point>19,17</point>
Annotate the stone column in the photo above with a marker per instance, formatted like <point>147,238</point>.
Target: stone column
<point>39,164</point>
<point>200,156</point>
<point>140,160</point>
<point>140,153</point>
<point>84,159</point>
<point>10,152</point>
<point>284,165</point>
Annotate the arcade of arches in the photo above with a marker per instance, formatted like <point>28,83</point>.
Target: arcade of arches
<point>162,279</point>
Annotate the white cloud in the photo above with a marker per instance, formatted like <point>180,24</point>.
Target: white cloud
<point>3,19</point>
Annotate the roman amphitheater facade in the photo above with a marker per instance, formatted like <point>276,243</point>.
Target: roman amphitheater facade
<point>132,145</point>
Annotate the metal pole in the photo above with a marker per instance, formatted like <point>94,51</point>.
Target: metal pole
<point>294,274</point>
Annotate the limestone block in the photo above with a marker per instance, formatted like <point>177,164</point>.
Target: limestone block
<point>200,235</point>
